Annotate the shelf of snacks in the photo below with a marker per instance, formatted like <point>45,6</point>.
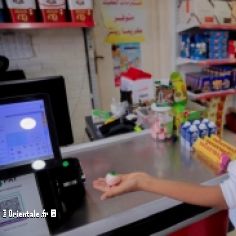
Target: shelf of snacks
<point>44,25</point>
<point>197,96</point>
<point>208,62</point>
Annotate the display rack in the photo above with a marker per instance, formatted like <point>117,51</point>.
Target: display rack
<point>209,62</point>
<point>186,65</point>
<point>195,96</point>
<point>43,25</point>
<point>184,27</point>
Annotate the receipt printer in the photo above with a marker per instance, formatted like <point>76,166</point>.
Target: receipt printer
<point>62,189</point>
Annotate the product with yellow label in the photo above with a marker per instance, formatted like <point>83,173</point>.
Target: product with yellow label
<point>211,154</point>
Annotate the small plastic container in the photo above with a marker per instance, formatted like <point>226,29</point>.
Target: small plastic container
<point>161,123</point>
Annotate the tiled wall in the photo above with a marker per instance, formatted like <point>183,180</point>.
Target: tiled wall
<point>61,52</point>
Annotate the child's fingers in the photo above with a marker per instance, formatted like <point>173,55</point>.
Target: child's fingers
<point>112,192</point>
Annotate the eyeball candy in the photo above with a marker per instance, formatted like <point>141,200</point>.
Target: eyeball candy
<point>112,179</point>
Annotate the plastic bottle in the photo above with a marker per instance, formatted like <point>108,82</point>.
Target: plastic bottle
<point>192,136</point>
<point>180,99</point>
<point>184,130</point>
<point>203,130</point>
<point>212,128</point>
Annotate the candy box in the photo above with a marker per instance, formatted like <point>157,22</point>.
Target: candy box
<point>53,10</point>
<point>198,82</point>
<point>81,11</point>
<point>22,10</point>
<point>139,83</point>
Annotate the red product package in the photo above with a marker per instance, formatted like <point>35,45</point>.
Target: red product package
<point>81,11</point>
<point>22,11</point>
<point>53,10</point>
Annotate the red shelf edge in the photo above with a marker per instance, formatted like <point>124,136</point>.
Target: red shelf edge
<point>218,26</point>
<point>217,61</point>
<point>210,61</point>
<point>44,25</point>
<point>211,94</point>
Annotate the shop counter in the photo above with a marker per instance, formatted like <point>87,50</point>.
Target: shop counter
<point>139,212</point>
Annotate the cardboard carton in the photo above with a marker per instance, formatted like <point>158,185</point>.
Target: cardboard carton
<point>81,11</point>
<point>22,10</point>
<point>53,10</point>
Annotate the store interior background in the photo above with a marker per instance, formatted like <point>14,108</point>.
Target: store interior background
<point>62,52</point>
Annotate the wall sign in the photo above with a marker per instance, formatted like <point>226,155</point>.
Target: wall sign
<point>125,55</point>
<point>124,20</point>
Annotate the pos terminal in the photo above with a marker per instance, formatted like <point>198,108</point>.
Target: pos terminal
<point>28,144</point>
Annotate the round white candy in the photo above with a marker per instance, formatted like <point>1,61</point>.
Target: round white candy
<point>112,180</point>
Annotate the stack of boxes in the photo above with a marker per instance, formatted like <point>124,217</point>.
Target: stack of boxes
<point>215,152</point>
<point>81,11</point>
<point>53,10</point>
<point>25,11</point>
<point>22,11</point>
<point>204,45</point>
<point>212,79</point>
<point>218,44</point>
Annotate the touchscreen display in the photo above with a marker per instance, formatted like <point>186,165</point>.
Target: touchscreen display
<point>24,134</point>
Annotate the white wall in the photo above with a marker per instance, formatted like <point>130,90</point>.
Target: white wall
<point>61,52</point>
<point>157,50</point>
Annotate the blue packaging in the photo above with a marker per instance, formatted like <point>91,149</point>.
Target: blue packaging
<point>183,132</point>
<point>205,121</point>
<point>205,83</point>
<point>212,129</point>
<point>203,130</point>
<point>192,136</point>
<point>226,82</point>
<point>197,123</point>
<point>233,78</point>
<point>185,46</point>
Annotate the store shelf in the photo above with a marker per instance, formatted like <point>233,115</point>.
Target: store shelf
<point>195,96</point>
<point>184,27</point>
<point>209,62</point>
<point>43,25</point>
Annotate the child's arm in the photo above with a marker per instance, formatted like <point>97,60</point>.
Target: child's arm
<point>190,193</point>
<point>221,196</point>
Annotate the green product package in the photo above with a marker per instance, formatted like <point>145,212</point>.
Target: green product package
<point>180,99</point>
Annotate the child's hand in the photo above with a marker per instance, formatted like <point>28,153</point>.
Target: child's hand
<point>129,183</point>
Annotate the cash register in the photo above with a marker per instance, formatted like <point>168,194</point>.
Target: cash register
<point>28,144</point>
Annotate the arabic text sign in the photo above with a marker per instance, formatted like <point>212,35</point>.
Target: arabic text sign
<point>124,20</point>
